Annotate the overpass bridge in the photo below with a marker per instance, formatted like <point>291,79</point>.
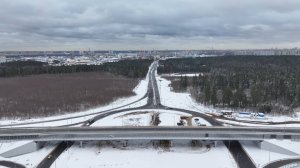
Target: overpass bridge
<point>148,133</point>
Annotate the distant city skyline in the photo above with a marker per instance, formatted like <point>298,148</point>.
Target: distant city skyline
<point>34,25</point>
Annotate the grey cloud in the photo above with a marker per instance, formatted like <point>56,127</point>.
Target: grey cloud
<point>77,24</point>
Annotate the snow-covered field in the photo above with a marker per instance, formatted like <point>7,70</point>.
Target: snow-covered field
<point>94,155</point>
<point>262,157</point>
<point>143,153</point>
<point>185,101</point>
<point>182,74</point>
<point>267,118</point>
<point>178,100</point>
<point>130,118</point>
<point>143,118</point>
<point>31,160</point>
<point>11,145</point>
<point>240,123</point>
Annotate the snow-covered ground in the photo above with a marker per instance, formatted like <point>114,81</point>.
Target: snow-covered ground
<point>289,145</point>
<point>178,100</point>
<point>94,155</point>
<point>185,101</point>
<point>267,118</point>
<point>143,118</point>
<point>137,154</point>
<point>182,74</point>
<point>240,123</point>
<point>262,157</point>
<point>276,118</point>
<point>143,153</point>
<point>31,160</point>
<point>131,118</point>
<point>5,146</point>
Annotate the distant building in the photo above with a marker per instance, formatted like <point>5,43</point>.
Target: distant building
<point>127,55</point>
<point>2,59</point>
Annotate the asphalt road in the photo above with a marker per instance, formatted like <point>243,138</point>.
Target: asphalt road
<point>281,163</point>
<point>47,163</point>
<point>153,102</point>
<point>52,156</point>
<point>239,154</point>
<point>11,164</point>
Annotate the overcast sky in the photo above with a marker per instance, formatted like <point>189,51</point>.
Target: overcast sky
<point>148,24</point>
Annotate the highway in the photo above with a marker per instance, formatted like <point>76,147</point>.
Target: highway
<point>46,163</point>
<point>58,150</point>
<point>239,154</point>
<point>152,103</point>
<point>11,164</point>
<point>148,95</point>
<point>241,157</point>
<point>149,133</point>
<point>292,163</point>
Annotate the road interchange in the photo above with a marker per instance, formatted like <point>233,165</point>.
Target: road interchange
<point>153,103</point>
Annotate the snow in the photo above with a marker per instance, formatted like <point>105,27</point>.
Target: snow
<point>200,120</point>
<point>168,119</point>
<point>143,118</point>
<point>240,123</point>
<point>268,117</point>
<point>6,146</point>
<point>178,100</point>
<point>182,74</point>
<point>262,157</point>
<point>185,101</point>
<point>31,160</point>
<point>93,155</point>
<point>131,118</point>
<point>289,145</point>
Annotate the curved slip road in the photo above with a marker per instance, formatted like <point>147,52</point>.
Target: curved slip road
<point>154,102</point>
<point>293,163</point>
<point>11,164</point>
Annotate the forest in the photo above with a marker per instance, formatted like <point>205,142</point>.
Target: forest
<point>127,68</point>
<point>264,83</point>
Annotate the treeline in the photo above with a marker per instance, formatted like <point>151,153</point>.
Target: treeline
<point>266,83</point>
<point>128,68</point>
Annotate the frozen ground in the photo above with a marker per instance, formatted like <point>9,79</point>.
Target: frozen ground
<point>131,118</point>
<point>31,160</point>
<point>144,155</point>
<point>136,154</point>
<point>5,146</point>
<point>290,145</point>
<point>240,123</point>
<point>178,100</point>
<point>185,101</point>
<point>182,74</point>
<point>267,118</point>
<point>143,118</point>
<point>262,157</point>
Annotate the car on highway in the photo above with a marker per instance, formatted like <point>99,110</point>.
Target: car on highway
<point>91,121</point>
<point>49,157</point>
